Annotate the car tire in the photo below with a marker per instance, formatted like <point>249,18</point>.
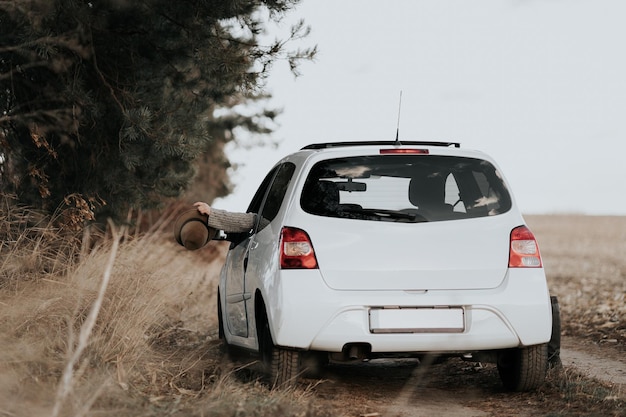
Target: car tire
<point>282,366</point>
<point>523,369</point>
<point>554,345</point>
<point>285,368</point>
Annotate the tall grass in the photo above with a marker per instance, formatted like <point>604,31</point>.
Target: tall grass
<point>152,348</point>
<point>127,328</point>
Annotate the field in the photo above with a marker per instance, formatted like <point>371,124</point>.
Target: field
<point>145,344</point>
<point>585,262</point>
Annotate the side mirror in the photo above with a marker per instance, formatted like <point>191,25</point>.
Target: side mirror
<point>220,235</point>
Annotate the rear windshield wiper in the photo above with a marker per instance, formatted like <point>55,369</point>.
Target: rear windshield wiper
<point>387,214</point>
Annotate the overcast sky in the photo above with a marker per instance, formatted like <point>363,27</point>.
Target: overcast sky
<point>540,85</point>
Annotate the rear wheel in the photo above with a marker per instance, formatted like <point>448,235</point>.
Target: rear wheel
<point>282,366</point>
<point>285,368</point>
<point>523,369</point>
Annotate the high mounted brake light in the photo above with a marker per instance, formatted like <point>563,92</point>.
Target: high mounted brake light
<point>381,143</point>
<point>524,251</point>
<point>403,151</point>
<point>296,250</point>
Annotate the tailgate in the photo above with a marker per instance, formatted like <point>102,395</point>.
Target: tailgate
<point>445,255</point>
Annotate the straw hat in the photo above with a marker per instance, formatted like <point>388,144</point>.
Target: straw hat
<point>191,229</point>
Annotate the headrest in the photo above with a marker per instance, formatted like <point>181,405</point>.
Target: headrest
<point>321,197</point>
<point>427,190</point>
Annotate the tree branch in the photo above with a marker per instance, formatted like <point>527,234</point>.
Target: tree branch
<point>55,113</point>
<point>64,40</point>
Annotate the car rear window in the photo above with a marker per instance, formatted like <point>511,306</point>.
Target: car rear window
<point>405,188</point>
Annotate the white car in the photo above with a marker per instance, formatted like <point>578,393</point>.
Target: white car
<point>374,249</point>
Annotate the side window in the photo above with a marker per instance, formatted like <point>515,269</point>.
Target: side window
<point>276,193</point>
<point>254,207</point>
<point>257,200</point>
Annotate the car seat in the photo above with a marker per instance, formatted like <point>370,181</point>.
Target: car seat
<point>427,192</point>
<point>321,197</point>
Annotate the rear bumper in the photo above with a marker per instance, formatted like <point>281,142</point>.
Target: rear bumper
<point>312,316</point>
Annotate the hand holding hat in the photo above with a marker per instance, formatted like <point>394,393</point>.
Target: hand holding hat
<point>191,229</point>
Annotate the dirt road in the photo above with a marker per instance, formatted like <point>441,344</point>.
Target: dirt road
<point>605,365</point>
<point>406,388</point>
<point>592,382</point>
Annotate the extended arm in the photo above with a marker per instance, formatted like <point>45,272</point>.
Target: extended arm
<point>228,221</point>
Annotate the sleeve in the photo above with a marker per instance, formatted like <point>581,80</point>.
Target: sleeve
<point>231,222</point>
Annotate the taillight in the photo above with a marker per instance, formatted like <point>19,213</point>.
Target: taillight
<point>296,250</point>
<point>524,251</point>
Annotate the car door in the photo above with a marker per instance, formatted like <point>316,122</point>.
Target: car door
<point>236,265</point>
<point>262,250</point>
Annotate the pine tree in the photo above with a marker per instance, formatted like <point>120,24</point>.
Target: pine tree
<point>107,104</point>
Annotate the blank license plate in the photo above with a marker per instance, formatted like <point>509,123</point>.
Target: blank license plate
<point>417,320</point>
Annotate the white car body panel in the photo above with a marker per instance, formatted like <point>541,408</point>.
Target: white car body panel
<point>495,319</point>
<point>446,255</point>
<point>365,265</point>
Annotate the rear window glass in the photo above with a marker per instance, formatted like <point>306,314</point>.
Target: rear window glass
<point>405,188</point>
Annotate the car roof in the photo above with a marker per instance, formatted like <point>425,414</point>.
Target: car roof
<point>342,149</point>
<point>327,145</point>
<point>325,150</point>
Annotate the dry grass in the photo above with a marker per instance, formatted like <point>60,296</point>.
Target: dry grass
<point>36,247</point>
<point>153,350</point>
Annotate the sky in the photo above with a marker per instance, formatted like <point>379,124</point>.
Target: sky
<point>540,85</point>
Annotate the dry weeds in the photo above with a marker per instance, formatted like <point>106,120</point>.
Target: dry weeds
<point>153,350</point>
<point>148,349</point>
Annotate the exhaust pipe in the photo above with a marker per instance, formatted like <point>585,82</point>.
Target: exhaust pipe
<point>352,352</point>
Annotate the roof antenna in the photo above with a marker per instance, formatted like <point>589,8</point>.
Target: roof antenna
<point>398,125</point>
